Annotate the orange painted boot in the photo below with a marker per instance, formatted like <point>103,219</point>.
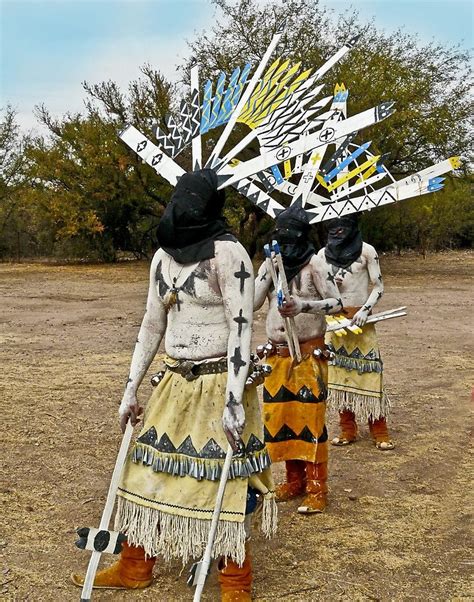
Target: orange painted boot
<point>295,481</point>
<point>235,580</point>
<point>130,571</point>
<point>379,431</point>
<point>348,428</point>
<point>316,488</point>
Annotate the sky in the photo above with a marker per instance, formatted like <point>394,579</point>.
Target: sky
<point>48,47</point>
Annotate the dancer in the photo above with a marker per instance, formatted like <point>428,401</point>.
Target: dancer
<point>200,301</point>
<point>356,374</point>
<point>295,393</point>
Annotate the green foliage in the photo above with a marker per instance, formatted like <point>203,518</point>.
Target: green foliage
<point>80,192</point>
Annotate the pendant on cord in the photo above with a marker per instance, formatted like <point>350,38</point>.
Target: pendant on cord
<point>172,298</point>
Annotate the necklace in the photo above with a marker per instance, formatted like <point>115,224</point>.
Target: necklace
<point>172,297</point>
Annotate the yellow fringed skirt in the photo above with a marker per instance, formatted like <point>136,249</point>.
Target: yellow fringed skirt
<point>355,377</point>
<point>169,484</point>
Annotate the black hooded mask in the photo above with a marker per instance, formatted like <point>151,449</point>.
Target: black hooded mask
<point>344,244</point>
<point>292,234</point>
<point>193,219</point>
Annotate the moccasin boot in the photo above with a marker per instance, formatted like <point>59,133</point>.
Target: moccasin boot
<point>235,580</point>
<point>379,431</point>
<point>348,426</point>
<point>316,488</point>
<point>295,481</point>
<point>130,571</point>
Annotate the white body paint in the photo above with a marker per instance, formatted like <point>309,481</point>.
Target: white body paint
<point>360,285</point>
<point>204,326</point>
<point>311,287</point>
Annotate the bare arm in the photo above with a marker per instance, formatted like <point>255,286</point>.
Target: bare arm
<point>262,286</point>
<point>235,277</point>
<point>375,275</point>
<point>149,338</point>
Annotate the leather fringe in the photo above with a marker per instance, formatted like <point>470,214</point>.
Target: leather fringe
<point>172,536</point>
<point>199,468</point>
<point>365,407</point>
<point>362,366</point>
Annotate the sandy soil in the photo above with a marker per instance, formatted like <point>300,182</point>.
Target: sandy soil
<point>397,527</point>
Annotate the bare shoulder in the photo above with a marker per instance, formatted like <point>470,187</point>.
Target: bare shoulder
<point>230,251</point>
<point>320,255</point>
<point>368,251</point>
<point>157,257</point>
<point>318,261</point>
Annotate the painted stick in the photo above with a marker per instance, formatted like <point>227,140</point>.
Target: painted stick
<point>305,144</point>
<point>311,168</point>
<point>151,154</point>
<point>195,119</point>
<point>259,198</point>
<point>271,268</point>
<point>200,570</point>
<point>106,515</point>
<point>385,196</point>
<point>337,56</point>
<point>339,324</point>
<point>286,293</point>
<point>214,158</point>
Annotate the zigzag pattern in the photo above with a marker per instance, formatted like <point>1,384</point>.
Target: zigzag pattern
<point>288,434</point>
<point>211,450</point>
<point>304,395</point>
<point>340,208</point>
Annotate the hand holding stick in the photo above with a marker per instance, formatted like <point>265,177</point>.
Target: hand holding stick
<point>271,269</point>
<point>286,294</point>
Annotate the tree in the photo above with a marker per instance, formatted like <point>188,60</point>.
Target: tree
<point>429,82</point>
<point>99,196</point>
<point>12,184</point>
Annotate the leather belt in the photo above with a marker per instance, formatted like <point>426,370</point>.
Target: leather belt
<point>190,370</point>
<point>307,347</point>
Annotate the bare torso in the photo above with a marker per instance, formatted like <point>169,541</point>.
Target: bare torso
<point>310,284</point>
<point>196,324</point>
<point>360,284</point>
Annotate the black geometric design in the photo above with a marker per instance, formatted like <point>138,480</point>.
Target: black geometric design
<point>372,355</point>
<point>237,360</point>
<point>148,438</point>
<point>242,275</point>
<point>244,189</point>
<point>164,445</point>
<point>384,110</point>
<point>304,395</point>
<point>240,321</point>
<point>253,198</point>
<point>254,445</point>
<point>353,41</point>
<point>212,450</point>
<point>288,434</point>
<point>327,134</point>
<point>156,159</point>
<point>332,161</point>
<point>187,448</point>
<point>163,288</point>
<point>307,435</point>
<point>330,277</point>
<point>141,145</point>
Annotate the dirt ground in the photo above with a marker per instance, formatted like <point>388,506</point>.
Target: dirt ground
<point>398,524</point>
